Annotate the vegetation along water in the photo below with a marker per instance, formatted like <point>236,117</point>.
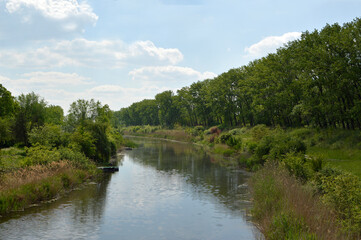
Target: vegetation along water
<point>292,117</point>
<point>297,110</point>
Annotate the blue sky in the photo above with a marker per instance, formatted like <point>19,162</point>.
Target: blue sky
<point>119,51</point>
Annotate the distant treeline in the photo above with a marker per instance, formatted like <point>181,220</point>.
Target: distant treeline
<point>313,81</point>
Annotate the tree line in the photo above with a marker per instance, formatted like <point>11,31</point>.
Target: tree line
<point>313,81</point>
<point>28,121</point>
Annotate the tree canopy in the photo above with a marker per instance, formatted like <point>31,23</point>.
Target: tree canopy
<point>312,81</point>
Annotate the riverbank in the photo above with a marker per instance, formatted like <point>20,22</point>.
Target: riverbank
<point>39,174</point>
<point>37,184</point>
<point>316,161</point>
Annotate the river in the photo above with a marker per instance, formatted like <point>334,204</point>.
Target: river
<point>163,190</point>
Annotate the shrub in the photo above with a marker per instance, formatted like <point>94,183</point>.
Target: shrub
<point>302,133</point>
<point>342,191</point>
<point>40,155</point>
<point>275,147</point>
<point>82,141</point>
<point>296,165</point>
<point>259,131</point>
<point>215,130</point>
<point>47,135</point>
<point>287,226</point>
<point>231,140</point>
<point>76,157</point>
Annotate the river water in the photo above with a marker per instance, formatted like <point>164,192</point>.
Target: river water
<point>163,190</point>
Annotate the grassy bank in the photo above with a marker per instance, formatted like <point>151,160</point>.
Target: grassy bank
<point>25,187</point>
<point>285,209</point>
<point>307,183</point>
<point>336,148</point>
<point>32,175</point>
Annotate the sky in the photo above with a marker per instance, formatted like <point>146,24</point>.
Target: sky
<point>124,51</point>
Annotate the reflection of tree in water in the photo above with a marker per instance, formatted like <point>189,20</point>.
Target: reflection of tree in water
<point>92,200</point>
<point>197,168</point>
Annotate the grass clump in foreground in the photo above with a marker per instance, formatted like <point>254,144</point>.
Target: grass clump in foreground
<point>40,173</point>
<point>24,187</point>
<point>284,209</point>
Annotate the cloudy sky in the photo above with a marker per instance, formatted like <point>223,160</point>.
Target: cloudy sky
<point>122,51</point>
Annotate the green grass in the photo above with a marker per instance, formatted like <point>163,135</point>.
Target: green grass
<point>284,209</point>
<point>11,158</point>
<point>34,192</point>
<point>348,159</point>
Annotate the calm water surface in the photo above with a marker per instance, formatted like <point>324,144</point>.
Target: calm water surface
<point>163,190</point>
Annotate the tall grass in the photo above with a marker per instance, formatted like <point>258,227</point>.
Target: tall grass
<point>284,209</point>
<point>21,188</point>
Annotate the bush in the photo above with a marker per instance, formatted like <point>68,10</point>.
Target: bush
<point>40,155</point>
<point>76,157</point>
<point>215,130</point>
<point>287,226</point>
<point>231,140</point>
<point>47,135</point>
<point>259,131</point>
<point>342,191</point>
<point>296,165</point>
<point>83,141</point>
<point>275,147</point>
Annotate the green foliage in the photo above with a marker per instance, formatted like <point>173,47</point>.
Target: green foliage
<point>77,158</point>
<point>223,150</point>
<point>286,226</point>
<point>310,82</point>
<point>82,141</point>
<point>296,165</point>
<point>102,144</point>
<point>168,110</point>
<point>7,102</point>
<point>54,115</point>
<point>40,155</point>
<point>259,131</point>
<point>48,135</point>
<point>231,140</point>
<point>19,198</point>
<point>277,145</point>
<point>342,191</point>
<point>6,134</point>
<point>31,114</point>
<point>83,111</point>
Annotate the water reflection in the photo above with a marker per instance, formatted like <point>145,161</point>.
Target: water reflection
<point>163,190</point>
<point>195,165</point>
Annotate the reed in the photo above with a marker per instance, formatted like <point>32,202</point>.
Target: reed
<point>24,187</point>
<point>285,209</point>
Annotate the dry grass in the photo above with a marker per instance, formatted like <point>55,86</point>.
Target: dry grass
<point>275,193</point>
<point>179,135</point>
<point>33,174</point>
<point>318,218</point>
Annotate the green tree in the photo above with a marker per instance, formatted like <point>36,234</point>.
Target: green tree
<point>31,113</point>
<point>54,115</point>
<point>7,102</point>
<point>167,110</point>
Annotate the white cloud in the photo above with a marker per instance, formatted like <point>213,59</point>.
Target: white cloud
<point>55,9</point>
<point>64,88</point>
<point>169,74</point>
<point>38,81</point>
<point>24,20</point>
<point>86,53</point>
<point>270,44</point>
<point>117,96</point>
<point>54,78</point>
